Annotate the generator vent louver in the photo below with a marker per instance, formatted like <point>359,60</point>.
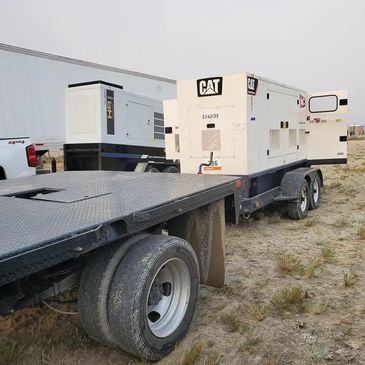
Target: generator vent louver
<point>158,123</point>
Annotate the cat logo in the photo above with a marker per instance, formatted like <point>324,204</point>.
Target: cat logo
<point>252,85</point>
<point>210,86</point>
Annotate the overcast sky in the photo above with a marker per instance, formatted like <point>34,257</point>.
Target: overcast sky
<point>316,45</point>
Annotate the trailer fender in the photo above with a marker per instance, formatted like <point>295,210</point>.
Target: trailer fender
<point>293,179</point>
<point>204,229</point>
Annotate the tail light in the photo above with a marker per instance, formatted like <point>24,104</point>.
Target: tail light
<point>31,155</point>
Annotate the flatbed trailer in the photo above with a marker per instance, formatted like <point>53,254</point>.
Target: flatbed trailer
<point>125,234</point>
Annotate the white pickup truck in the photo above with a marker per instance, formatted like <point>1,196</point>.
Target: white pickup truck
<point>17,158</point>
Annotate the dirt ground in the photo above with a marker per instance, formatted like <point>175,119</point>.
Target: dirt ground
<point>294,294</point>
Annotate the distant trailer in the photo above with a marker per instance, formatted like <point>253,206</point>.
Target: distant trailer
<point>32,92</point>
<point>356,131</point>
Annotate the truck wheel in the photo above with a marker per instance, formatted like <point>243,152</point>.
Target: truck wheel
<point>94,288</point>
<point>315,193</point>
<point>299,208</point>
<point>171,170</point>
<point>153,296</point>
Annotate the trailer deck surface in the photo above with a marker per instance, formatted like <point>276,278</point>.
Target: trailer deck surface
<point>47,219</point>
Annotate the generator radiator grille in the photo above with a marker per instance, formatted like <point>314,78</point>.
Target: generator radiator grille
<point>158,122</point>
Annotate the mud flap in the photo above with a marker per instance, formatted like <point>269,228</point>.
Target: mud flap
<point>204,229</point>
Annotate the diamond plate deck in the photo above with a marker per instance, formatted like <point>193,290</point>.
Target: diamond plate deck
<point>86,200</point>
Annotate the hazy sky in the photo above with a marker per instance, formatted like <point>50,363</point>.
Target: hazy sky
<point>316,45</point>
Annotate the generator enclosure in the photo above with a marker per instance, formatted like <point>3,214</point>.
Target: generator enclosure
<point>108,128</point>
<point>250,124</point>
<point>100,112</point>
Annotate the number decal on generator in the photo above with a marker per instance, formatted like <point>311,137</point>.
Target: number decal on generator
<point>210,116</point>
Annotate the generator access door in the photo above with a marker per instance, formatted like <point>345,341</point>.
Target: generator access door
<point>326,129</point>
<point>212,130</point>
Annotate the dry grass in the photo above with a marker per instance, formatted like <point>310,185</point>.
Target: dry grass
<point>327,254</point>
<point>274,218</point>
<point>10,354</point>
<point>232,321</point>
<point>288,263</point>
<point>191,354</point>
<point>340,222</point>
<point>319,353</point>
<point>39,331</point>
<point>213,358</point>
<point>333,185</point>
<point>322,306</point>
<point>354,169</point>
<point>259,311</point>
<point>310,222</point>
<point>310,269</point>
<point>361,232</point>
<point>249,344</point>
<point>290,299</point>
<point>349,279</point>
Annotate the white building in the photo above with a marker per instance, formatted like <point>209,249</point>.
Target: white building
<point>32,91</point>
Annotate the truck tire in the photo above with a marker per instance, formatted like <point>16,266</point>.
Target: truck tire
<point>153,296</point>
<point>299,209</point>
<point>315,193</point>
<point>94,288</point>
<point>171,170</point>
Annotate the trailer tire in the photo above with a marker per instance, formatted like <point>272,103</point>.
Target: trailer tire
<point>152,169</point>
<point>315,193</point>
<point>94,288</point>
<point>299,209</point>
<point>171,170</point>
<point>153,296</point>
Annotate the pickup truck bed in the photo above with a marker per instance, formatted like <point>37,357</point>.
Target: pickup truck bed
<point>47,219</point>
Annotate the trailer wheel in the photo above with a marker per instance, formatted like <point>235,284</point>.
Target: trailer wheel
<point>153,296</point>
<point>152,169</point>
<point>315,193</point>
<point>94,288</point>
<point>299,208</point>
<point>171,170</point>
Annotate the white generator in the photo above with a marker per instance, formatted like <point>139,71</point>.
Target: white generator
<point>243,124</point>
<point>100,112</point>
<point>108,128</point>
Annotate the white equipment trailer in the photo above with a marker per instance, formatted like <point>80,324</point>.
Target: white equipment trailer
<point>109,128</point>
<point>246,125</point>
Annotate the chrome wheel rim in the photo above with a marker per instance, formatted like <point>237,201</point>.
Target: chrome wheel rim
<point>168,298</point>
<point>303,198</point>
<point>315,190</point>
